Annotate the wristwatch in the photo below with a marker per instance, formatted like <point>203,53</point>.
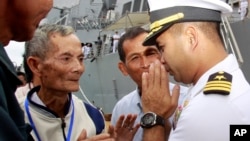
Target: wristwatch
<point>151,119</point>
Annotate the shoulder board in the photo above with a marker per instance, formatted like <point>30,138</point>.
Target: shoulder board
<point>219,83</point>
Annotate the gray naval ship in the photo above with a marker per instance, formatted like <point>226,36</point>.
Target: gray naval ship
<point>102,84</point>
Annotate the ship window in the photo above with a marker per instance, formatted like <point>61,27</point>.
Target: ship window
<point>126,7</point>
<point>137,5</point>
<point>145,5</point>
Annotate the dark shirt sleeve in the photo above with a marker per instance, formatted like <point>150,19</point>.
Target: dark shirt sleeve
<point>12,125</point>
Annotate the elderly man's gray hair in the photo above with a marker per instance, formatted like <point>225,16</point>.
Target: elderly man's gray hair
<point>40,44</point>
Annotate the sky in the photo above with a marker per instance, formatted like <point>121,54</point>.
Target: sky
<point>15,51</point>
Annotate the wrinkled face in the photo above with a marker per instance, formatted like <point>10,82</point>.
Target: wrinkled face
<point>26,17</point>
<point>174,52</point>
<point>138,57</point>
<point>63,65</point>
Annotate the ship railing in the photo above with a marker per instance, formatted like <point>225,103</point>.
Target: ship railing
<point>63,20</point>
<point>81,23</point>
<point>230,42</point>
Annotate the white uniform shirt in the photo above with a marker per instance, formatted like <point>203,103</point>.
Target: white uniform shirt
<point>243,8</point>
<point>131,104</point>
<point>208,117</point>
<point>116,38</point>
<point>86,51</point>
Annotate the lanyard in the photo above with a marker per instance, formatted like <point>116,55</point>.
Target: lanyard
<point>34,127</point>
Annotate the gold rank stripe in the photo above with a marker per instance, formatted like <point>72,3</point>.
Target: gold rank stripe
<point>219,82</point>
<point>221,85</point>
<point>218,85</point>
<point>217,88</point>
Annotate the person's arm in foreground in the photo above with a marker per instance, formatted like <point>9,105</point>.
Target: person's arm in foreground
<point>125,128</point>
<point>156,98</point>
<point>100,137</point>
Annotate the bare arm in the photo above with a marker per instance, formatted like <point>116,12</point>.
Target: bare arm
<point>155,96</point>
<point>158,133</point>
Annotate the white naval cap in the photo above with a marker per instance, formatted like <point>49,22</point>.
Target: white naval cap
<point>165,13</point>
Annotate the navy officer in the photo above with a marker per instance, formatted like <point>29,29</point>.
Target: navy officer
<point>187,33</point>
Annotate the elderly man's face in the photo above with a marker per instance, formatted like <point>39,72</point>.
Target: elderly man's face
<point>63,65</point>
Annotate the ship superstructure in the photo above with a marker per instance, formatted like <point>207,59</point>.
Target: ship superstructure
<point>102,84</point>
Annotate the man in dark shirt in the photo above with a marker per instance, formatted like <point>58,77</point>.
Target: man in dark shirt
<point>99,45</point>
<point>18,21</point>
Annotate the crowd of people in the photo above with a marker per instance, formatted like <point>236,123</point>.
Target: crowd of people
<point>183,41</point>
<point>110,43</point>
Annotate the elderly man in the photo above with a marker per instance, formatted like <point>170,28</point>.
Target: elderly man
<point>187,35</point>
<point>55,56</point>
<point>19,19</point>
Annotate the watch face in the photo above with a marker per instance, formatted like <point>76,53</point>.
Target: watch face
<point>151,119</point>
<point>148,119</point>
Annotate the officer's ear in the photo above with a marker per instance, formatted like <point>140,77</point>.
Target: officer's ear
<point>122,68</point>
<point>192,36</point>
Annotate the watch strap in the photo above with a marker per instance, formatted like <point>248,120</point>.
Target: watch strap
<point>160,120</point>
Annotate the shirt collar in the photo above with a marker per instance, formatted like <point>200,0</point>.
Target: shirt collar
<point>36,102</point>
<point>137,98</point>
<point>229,64</point>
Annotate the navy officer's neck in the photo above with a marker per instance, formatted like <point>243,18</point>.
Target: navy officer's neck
<point>54,100</point>
<point>208,58</point>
